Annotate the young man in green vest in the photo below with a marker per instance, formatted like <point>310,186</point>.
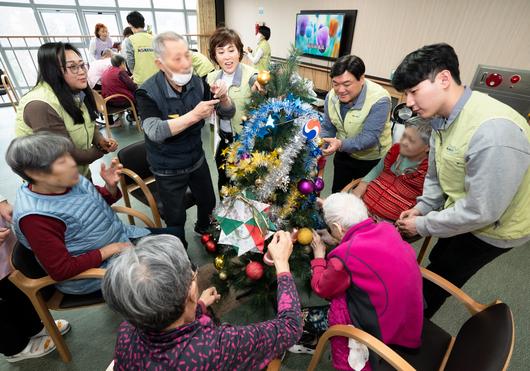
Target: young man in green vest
<point>139,49</point>
<point>476,196</point>
<point>356,124</point>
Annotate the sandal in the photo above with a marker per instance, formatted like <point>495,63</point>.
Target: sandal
<point>62,324</point>
<point>37,347</point>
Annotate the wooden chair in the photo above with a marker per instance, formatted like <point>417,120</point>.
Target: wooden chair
<point>138,181</point>
<point>101,104</point>
<point>426,242</point>
<point>484,342</point>
<point>10,90</point>
<point>33,281</point>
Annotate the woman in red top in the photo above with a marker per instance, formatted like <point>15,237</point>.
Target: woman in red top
<point>393,185</point>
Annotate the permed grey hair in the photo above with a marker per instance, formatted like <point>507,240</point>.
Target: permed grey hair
<point>423,127</point>
<point>159,46</point>
<point>148,284</point>
<point>36,152</point>
<point>345,209</point>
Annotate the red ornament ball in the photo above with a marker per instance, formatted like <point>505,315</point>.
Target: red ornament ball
<point>205,238</point>
<point>211,246</point>
<point>254,271</point>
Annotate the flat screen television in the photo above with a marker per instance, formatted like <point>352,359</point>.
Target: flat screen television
<point>325,34</point>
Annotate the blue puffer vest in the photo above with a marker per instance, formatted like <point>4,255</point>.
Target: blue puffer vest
<point>90,223</point>
<point>183,150</point>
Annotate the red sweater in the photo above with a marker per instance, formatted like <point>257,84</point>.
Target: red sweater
<point>388,195</point>
<point>116,81</point>
<point>45,235</point>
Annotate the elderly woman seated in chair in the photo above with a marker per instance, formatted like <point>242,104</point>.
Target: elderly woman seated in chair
<point>393,185</point>
<point>371,279</point>
<point>154,286</point>
<point>61,215</point>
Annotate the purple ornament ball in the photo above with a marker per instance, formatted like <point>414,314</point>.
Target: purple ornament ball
<point>319,184</point>
<point>306,186</point>
<point>244,156</point>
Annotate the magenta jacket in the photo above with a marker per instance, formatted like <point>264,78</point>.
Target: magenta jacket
<point>374,283</point>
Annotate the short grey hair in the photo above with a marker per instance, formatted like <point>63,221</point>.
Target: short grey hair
<point>345,209</point>
<point>148,284</point>
<point>159,46</point>
<point>423,127</point>
<point>107,52</point>
<point>36,152</point>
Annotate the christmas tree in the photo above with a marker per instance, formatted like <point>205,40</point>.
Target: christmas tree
<point>272,166</point>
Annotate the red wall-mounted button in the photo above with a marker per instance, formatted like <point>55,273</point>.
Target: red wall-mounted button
<point>493,80</point>
<point>515,79</point>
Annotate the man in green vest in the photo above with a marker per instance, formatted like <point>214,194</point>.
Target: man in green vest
<point>476,196</point>
<point>261,58</point>
<point>139,49</point>
<point>356,124</point>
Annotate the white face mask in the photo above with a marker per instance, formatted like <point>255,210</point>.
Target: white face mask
<point>181,79</point>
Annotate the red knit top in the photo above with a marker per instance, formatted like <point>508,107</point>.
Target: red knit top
<point>388,195</point>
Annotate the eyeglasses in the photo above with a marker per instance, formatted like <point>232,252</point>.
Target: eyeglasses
<point>75,68</point>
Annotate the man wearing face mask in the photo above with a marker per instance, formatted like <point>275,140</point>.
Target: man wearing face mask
<point>173,104</point>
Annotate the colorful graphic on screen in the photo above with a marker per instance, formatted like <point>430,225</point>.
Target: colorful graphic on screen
<point>319,34</point>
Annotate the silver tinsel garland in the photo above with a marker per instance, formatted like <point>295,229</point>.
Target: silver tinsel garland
<point>279,177</point>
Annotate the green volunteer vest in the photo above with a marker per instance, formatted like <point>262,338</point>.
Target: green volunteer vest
<point>201,65</point>
<point>264,62</point>
<point>144,57</point>
<point>354,121</point>
<point>451,146</point>
<point>80,134</point>
<point>239,95</point>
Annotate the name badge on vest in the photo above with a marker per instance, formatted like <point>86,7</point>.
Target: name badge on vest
<point>174,116</point>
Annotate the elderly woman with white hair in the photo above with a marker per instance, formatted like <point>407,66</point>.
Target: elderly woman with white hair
<point>154,286</point>
<point>393,185</point>
<point>371,278</point>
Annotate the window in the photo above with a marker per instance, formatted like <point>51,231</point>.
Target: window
<point>12,24</point>
<point>135,3</point>
<point>108,19</point>
<point>105,3</point>
<point>168,4</point>
<point>170,21</point>
<point>55,2</point>
<point>61,22</point>
<point>191,4</point>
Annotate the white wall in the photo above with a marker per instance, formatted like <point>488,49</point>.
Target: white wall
<point>494,32</point>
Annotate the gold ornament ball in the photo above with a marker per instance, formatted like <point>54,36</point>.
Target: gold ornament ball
<point>305,236</point>
<point>244,118</point>
<point>219,262</point>
<point>279,150</point>
<point>223,276</point>
<point>258,182</point>
<point>264,77</point>
<point>320,142</point>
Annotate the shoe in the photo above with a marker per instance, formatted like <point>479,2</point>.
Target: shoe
<point>37,347</point>
<point>306,345</point>
<point>300,349</point>
<point>62,324</point>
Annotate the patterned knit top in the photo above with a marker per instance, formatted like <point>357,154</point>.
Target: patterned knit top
<point>201,345</point>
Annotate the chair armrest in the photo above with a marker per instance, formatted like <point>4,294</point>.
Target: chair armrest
<point>128,211</point>
<point>148,195</point>
<point>351,185</point>
<point>363,337</point>
<point>472,306</point>
<point>20,280</point>
<point>119,96</point>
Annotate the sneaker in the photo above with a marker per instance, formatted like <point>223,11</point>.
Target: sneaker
<point>37,347</point>
<point>306,345</point>
<point>62,324</point>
